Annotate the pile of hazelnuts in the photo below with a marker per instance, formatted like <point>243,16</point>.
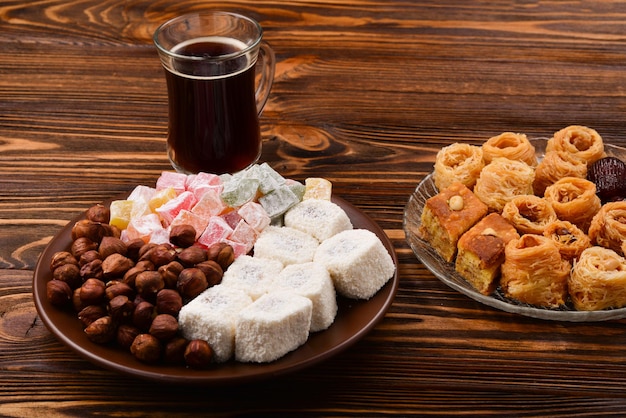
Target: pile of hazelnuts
<point>130,293</point>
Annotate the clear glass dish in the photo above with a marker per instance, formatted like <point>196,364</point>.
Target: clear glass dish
<point>446,273</point>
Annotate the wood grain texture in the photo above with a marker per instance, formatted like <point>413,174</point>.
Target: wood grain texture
<point>365,94</point>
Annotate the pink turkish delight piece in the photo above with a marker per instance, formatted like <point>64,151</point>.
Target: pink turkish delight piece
<point>216,231</point>
<point>239,249</point>
<point>160,236</point>
<point>254,214</point>
<point>203,183</point>
<point>170,209</point>
<point>186,217</point>
<point>143,227</point>
<point>244,234</point>
<point>172,179</point>
<point>210,204</point>
<point>232,218</point>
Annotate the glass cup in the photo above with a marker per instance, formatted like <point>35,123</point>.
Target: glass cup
<point>214,94</point>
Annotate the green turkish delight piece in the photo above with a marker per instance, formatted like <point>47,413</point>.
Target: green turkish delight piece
<point>278,201</point>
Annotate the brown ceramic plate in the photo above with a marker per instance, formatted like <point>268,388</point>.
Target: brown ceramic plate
<point>447,274</point>
<point>354,320</point>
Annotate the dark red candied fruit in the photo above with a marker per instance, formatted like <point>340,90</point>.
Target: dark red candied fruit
<point>609,176</point>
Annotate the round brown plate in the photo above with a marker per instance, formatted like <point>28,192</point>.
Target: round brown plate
<point>354,320</point>
<point>448,275</point>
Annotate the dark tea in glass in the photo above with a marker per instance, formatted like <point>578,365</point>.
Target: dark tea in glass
<point>214,103</point>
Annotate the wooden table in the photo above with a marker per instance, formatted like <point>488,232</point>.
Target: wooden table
<point>365,94</point>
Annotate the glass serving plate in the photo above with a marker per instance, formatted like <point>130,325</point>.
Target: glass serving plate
<point>355,318</point>
<point>446,273</point>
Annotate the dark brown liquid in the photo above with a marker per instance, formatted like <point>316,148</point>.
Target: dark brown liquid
<point>213,121</point>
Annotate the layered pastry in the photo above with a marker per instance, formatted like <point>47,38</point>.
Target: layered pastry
<point>569,239</point>
<point>502,180</point>
<point>581,141</point>
<point>449,214</point>
<point>608,227</point>
<point>510,145</point>
<point>458,163</point>
<point>555,166</point>
<point>481,252</point>
<point>534,272</point>
<point>575,200</point>
<point>598,280</point>
<point>529,214</point>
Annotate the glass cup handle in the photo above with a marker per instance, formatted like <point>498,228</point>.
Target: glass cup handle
<point>267,76</point>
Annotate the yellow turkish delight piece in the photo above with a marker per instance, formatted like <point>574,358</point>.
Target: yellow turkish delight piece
<point>317,188</point>
<point>121,211</point>
<point>161,197</point>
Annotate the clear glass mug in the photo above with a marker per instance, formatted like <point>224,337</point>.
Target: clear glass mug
<point>214,98</point>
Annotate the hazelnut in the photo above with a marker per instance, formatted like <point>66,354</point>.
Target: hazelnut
<point>90,313</point>
<point>183,235</point>
<point>99,213</point>
<point>60,258</point>
<point>174,351</point>
<point>191,282</point>
<point>143,315</point>
<point>77,303</point>
<point>115,288</point>
<point>198,354</point>
<point>164,327</point>
<point>126,334</point>
<point>169,301</point>
<point>94,231</point>
<point>212,271</point>
<point>88,257</point>
<point>131,275</point>
<point>92,270</point>
<point>160,255</point>
<point>112,245</point>
<point>132,248</point>
<point>81,245</point>
<point>116,265</point>
<point>146,348</point>
<point>144,249</point>
<point>148,283</point>
<point>92,292</point>
<point>489,231</point>
<point>191,256</point>
<point>456,203</point>
<point>145,265</point>
<point>59,292</point>
<point>68,273</point>
<point>101,331</point>
<point>222,253</point>
<point>121,308</point>
<point>170,272</point>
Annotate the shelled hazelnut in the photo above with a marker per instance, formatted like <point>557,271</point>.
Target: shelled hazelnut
<point>198,354</point>
<point>183,236</point>
<point>146,348</point>
<point>99,213</point>
<point>58,292</point>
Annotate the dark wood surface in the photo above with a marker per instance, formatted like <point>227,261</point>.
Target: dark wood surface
<point>365,94</point>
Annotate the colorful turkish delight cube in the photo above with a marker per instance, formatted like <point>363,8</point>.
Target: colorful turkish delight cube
<point>244,234</point>
<point>143,227</point>
<point>172,179</point>
<point>170,209</point>
<point>279,201</point>
<point>186,217</point>
<point>238,191</point>
<point>216,231</point>
<point>210,204</point>
<point>254,214</point>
